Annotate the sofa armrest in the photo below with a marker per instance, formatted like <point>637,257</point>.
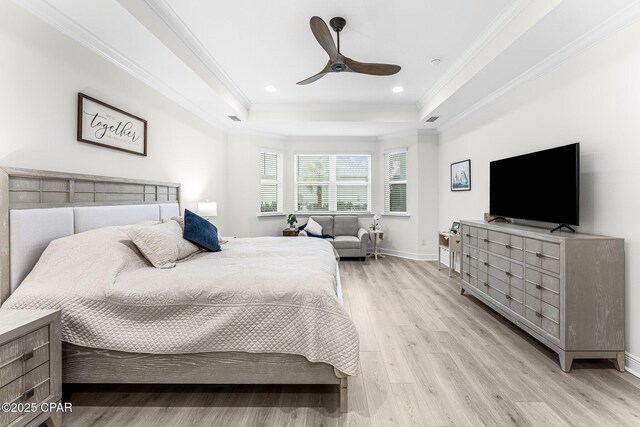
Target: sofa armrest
<point>303,233</point>
<point>363,234</point>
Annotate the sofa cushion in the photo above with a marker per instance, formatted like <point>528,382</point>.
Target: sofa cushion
<point>346,225</point>
<point>346,242</point>
<point>326,222</point>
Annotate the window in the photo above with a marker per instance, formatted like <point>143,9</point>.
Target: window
<point>270,183</point>
<point>395,182</point>
<point>332,182</point>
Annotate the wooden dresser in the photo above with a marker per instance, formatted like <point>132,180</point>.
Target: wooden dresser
<point>564,289</point>
<point>30,366</point>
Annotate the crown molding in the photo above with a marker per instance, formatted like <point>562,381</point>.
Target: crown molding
<point>513,9</point>
<point>615,23</point>
<point>173,21</point>
<point>54,17</point>
<point>354,106</point>
<point>322,138</point>
<point>250,132</point>
<point>401,134</point>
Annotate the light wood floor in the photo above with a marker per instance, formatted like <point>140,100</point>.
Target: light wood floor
<point>429,356</point>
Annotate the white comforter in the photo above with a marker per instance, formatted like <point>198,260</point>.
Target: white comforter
<point>258,295</point>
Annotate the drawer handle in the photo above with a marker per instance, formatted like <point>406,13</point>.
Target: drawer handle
<point>507,246</point>
<point>28,355</point>
<point>467,255</point>
<point>507,273</point>
<point>485,283</point>
<point>467,234</point>
<point>486,263</point>
<point>538,314</point>
<point>538,286</point>
<point>507,296</point>
<point>468,274</point>
<point>539,255</point>
<point>29,394</point>
<point>486,240</point>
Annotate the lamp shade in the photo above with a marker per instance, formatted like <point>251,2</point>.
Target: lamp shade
<point>208,209</point>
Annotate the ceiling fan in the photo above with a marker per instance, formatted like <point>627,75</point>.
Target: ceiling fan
<point>337,61</point>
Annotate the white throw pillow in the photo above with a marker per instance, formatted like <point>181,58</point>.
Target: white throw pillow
<point>161,244</point>
<point>313,227</point>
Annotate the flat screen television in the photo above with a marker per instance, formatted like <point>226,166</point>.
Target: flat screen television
<point>541,186</point>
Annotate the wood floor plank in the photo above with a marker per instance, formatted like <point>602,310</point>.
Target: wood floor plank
<point>429,357</point>
<point>382,403</point>
<point>541,414</point>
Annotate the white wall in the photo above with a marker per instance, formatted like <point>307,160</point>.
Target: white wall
<point>594,99</point>
<point>41,73</point>
<point>243,166</point>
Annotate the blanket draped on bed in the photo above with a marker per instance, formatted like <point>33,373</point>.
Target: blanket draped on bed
<point>258,295</point>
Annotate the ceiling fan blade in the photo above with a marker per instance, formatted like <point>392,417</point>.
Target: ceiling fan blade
<point>313,78</point>
<point>321,74</point>
<point>323,35</point>
<point>372,69</point>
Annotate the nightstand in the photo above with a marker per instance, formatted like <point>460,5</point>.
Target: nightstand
<point>290,232</point>
<point>30,366</point>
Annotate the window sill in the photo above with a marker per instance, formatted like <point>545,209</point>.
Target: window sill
<point>333,213</point>
<point>271,214</point>
<point>405,215</point>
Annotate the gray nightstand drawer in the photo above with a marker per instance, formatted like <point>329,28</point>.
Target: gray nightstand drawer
<point>30,365</point>
<point>23,354</point>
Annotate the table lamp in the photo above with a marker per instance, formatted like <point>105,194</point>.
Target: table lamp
<point>207,209</point>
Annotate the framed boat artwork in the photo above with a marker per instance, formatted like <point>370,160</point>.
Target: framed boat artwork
<point>461,175</point>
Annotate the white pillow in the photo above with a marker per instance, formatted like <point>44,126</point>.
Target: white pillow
<point>161,244</point>
<point>313,227</point>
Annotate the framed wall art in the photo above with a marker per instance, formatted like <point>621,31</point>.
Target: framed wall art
<point>461,175</point>
<point>102,124</point>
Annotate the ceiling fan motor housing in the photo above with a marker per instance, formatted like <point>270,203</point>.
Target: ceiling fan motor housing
<point>338,67</point>
<point>337,23</point>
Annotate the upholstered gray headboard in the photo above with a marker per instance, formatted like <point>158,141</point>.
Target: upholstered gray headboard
<point>37,207</point>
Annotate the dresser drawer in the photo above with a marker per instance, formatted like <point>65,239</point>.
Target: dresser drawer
<point>23,354</point>
<point>508,271</point>
<point>549,316</point>
<point>469,235</point>
<point>543,286</point>
<point>545,255</point>
<point>469,252</point>
<point>483,238</point>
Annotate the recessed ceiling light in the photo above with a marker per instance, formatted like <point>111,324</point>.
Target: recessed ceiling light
<point>270,88</point>
<point>397,89</point>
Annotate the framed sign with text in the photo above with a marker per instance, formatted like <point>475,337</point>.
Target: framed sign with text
<point>102,124</point>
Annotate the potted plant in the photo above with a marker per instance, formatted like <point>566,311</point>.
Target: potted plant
<point>375,225</point>
<point>292,220</point>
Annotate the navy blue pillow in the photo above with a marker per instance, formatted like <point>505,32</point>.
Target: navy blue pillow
<point>322,236</point>
<point>200,232</point>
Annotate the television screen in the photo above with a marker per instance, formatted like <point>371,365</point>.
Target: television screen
<point>541,186</point>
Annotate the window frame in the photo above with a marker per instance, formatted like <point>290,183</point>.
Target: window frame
<point>332,184</point>
<point>279,181</point>
<point>387,182</point>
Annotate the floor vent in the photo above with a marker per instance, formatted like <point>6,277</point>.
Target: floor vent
<point>234,118</point>
<point>432,119</point>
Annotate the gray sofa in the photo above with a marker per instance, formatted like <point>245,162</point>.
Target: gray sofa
<point>349,239</point>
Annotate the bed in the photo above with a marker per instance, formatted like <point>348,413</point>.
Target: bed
<point>247,315</point>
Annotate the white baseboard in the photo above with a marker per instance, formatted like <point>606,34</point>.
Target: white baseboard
<point>409,255</point>
<point>632,364</point>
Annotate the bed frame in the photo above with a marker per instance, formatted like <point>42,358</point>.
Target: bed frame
<point>37,189</point>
